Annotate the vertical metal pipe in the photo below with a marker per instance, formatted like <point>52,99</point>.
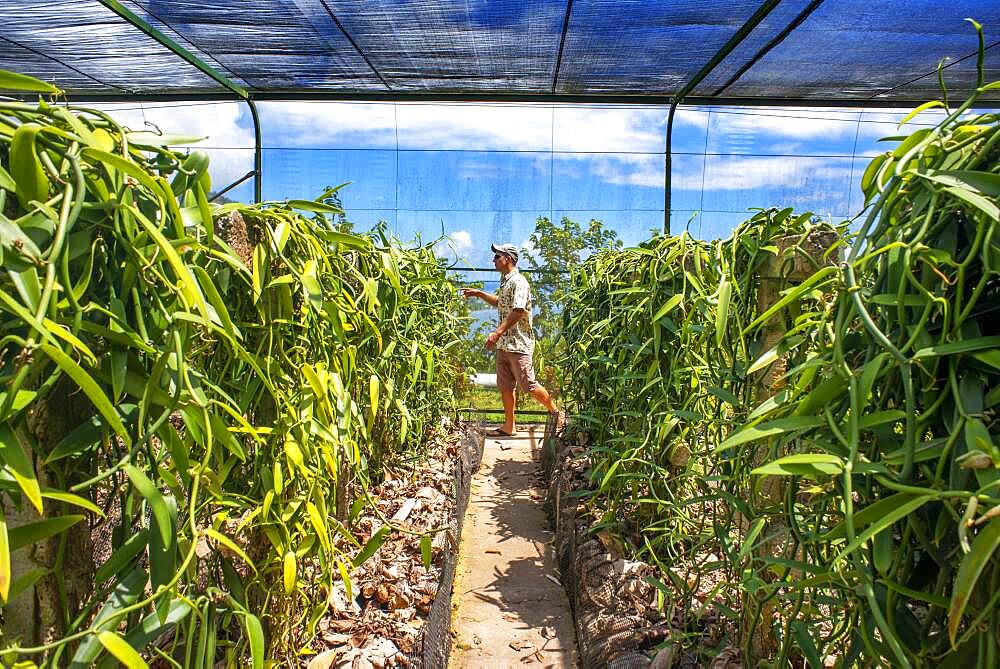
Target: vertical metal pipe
<point>258,175</point>
<point>765,8</point>
<point>668,163</point>
<point>143,25</point>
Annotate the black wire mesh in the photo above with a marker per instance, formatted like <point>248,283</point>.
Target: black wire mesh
<point>103,52</point>
<point>838,49</point>
<point>635,46</point>
<point>861,49</point>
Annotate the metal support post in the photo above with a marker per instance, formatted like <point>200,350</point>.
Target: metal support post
<point>668,162</point>
<point>143,25</point>
<point>678,97</point>
<point>258,162</point>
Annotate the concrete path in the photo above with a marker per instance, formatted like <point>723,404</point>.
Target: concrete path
<point>508,607</point>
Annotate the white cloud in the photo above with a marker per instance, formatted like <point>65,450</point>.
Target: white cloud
<point>527,249</point>
<point>509,127</point>
<point>690,117</point>
<point>520,128</point>
<point>218,121</point>
<point>798,124</point>
<point>423,126</point>
<point>320,124</point>
<point>724,173</point>
<point>632,170</point>
<point>733,173</point>
<point>735,125</point>
<point>228,165</point>
<point>455,245</point>
<point>478,169</point>
<point>462,240</point>
<point>610,129</point>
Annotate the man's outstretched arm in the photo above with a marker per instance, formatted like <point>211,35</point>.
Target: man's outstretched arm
<point>489,298</point>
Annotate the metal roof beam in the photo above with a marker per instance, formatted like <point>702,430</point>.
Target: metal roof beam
<point>766,8</point>
<point>357,47</point>
<point>676,99</point>
<point>943,67</point>
<point>487,97</point>
<point>778,39</point>
<point>562,45</point>
<point>207,69</point>
<point>140,23</point>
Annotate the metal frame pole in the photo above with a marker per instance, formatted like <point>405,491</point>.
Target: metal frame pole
<point>669,163</point>
<point>258,161</point>
<point>678,97</point>
<point>298,95</point>
<point>138,22</point>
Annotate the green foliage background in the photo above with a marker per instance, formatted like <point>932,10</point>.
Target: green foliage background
<point>557,251</point>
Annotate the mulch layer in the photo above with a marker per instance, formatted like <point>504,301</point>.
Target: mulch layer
<point>398,613</point>
<point>619,613</point>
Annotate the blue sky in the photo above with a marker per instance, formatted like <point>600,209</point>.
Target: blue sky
<point>483,172</point>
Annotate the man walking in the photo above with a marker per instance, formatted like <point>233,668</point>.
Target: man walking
<point>514,339</point>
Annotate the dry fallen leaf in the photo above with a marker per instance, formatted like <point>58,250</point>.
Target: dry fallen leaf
<point>381,652</point>
<point>394,593</point>
<point>362,662</point>
<point>611,543</point>
<point>341,624</point>
<point>730,658</point>
<point>404,510</point>
<point>324,660</point>
<point>336,638</point>
<point>398,601</point>
<point>339,604</point>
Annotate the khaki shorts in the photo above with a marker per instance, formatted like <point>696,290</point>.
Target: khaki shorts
<point>515,368</point>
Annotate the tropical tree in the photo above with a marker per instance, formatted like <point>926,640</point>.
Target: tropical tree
<point>556,250</point>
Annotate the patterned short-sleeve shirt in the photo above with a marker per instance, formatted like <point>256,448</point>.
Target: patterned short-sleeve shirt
<point>515,293</point>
